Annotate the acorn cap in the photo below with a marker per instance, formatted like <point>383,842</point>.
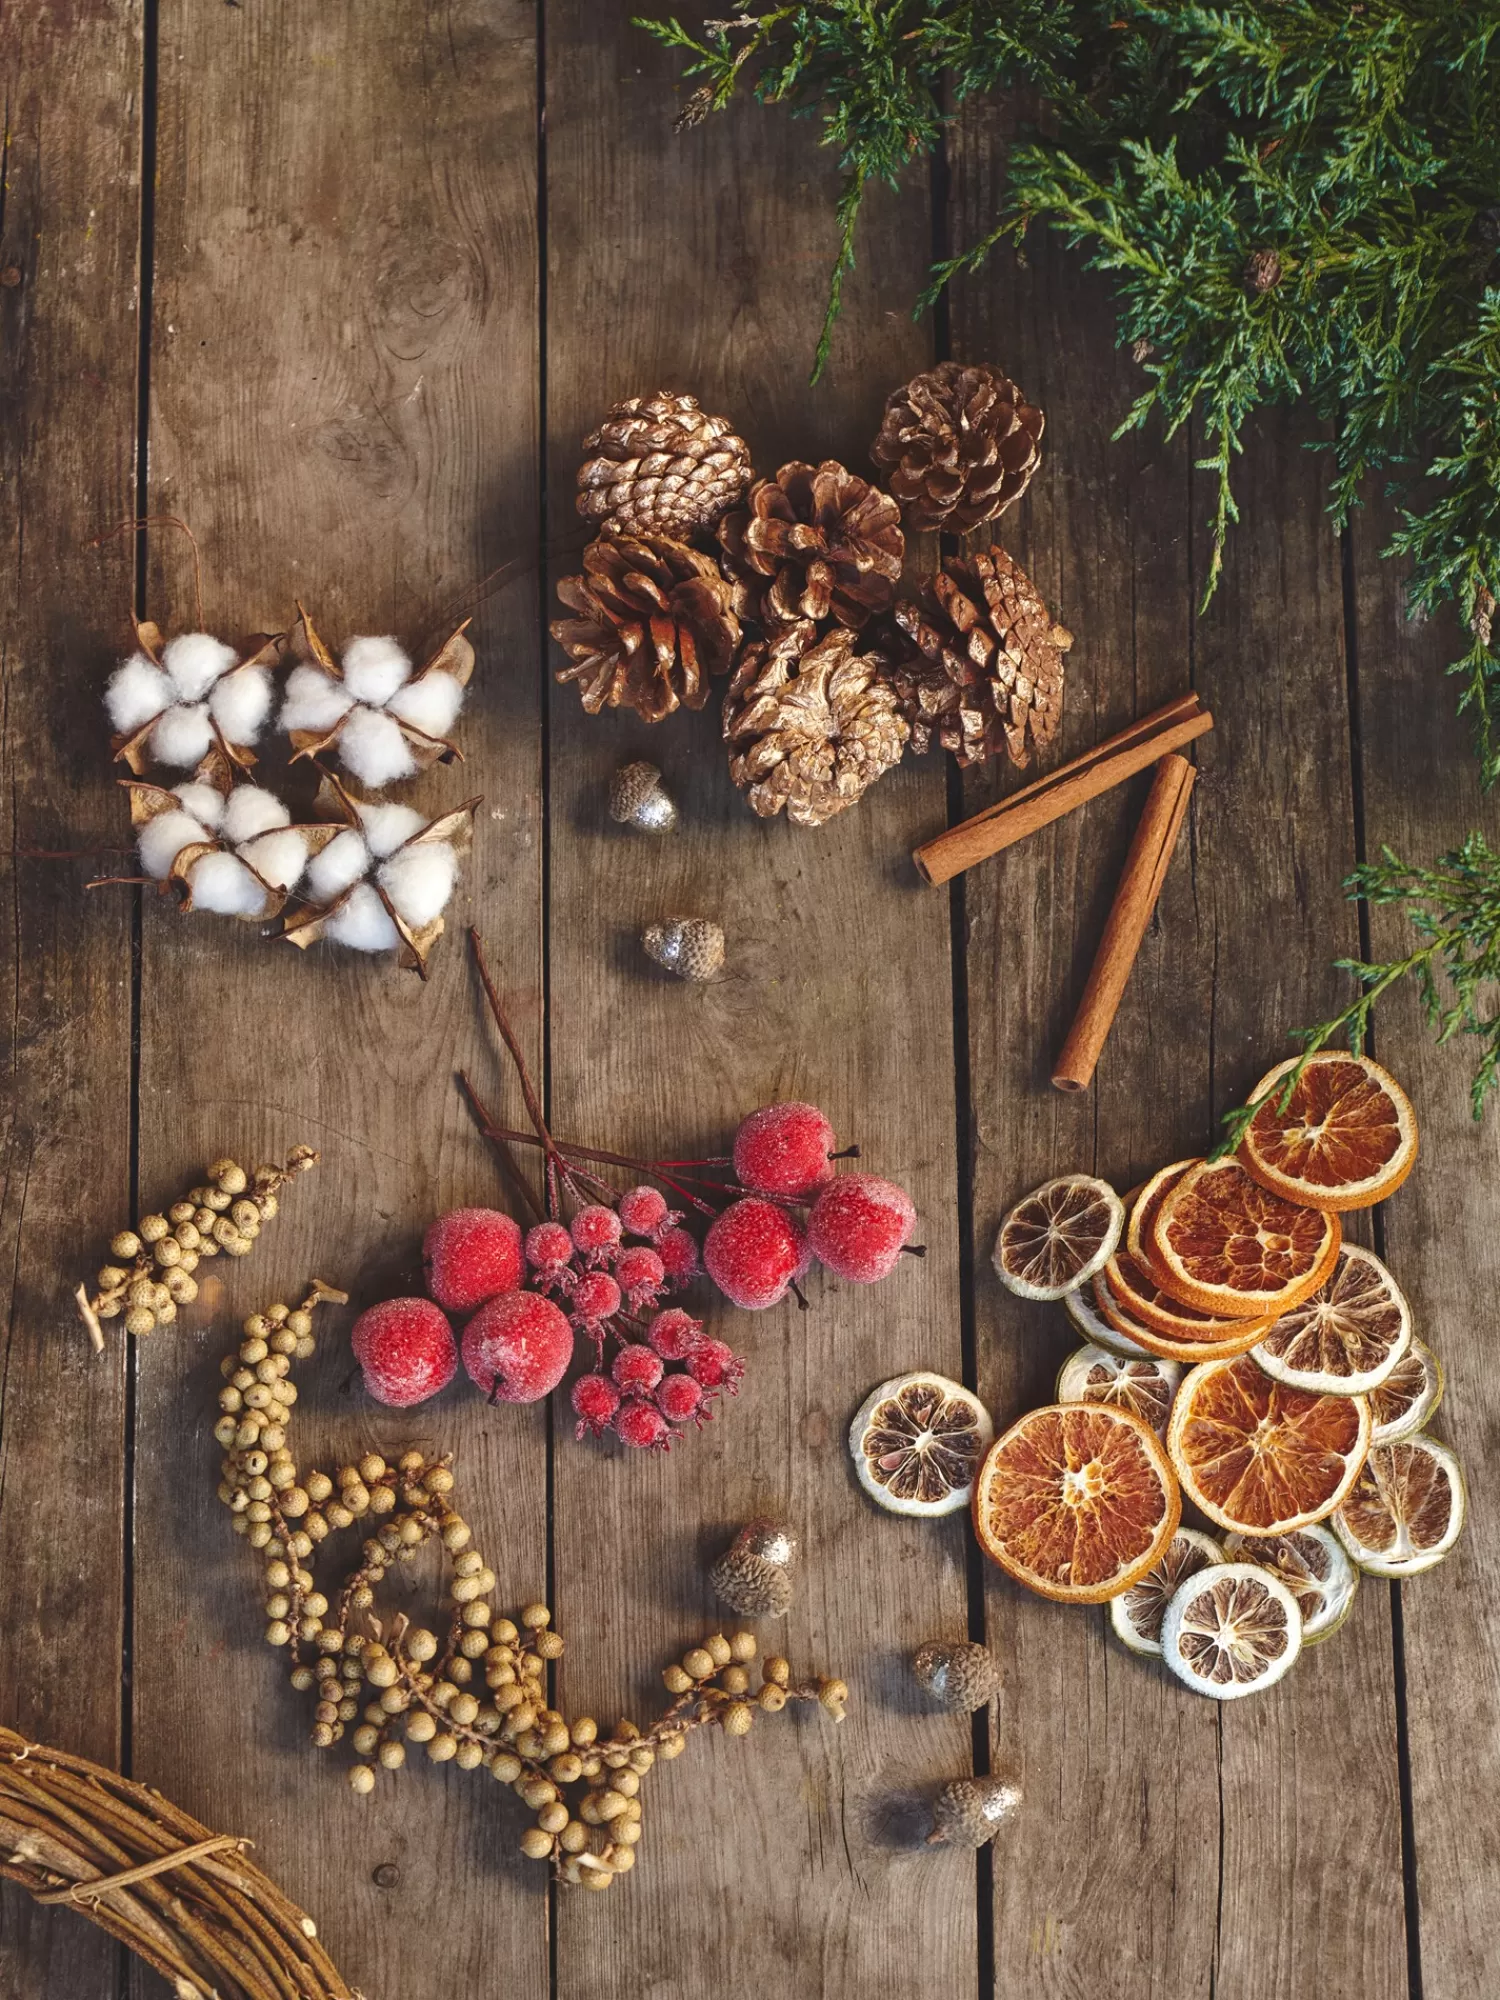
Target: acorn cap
<point>959,1674</point>
<point>970,1811</point>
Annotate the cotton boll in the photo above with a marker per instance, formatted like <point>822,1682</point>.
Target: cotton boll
<point>250,810</point>
<point>194,661</point>
<point>163,838</point>
<point>137,691</point>
<point>387,827</point>
<point>363,923</point>
<point>430,704</point>
<point>313,701</point>
<point>278,857</point>
<point>419,881</point>
<point>182,737</point>
<point>372,747</point>
<point>373,669</point>
<point>341,862</point>
<point>204,802</point>
<point>240,704</point>
<point>221,884</point>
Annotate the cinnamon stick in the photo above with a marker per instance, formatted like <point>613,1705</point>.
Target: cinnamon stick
<point>1140,886</point>
<point>1108,764</point>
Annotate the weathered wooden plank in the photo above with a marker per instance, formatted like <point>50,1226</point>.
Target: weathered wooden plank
<point>344,395</point>
<point>1421,795</point>
<point>702,263</point>
<point>69,224</point>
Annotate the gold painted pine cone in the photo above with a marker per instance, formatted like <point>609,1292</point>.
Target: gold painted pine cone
<point>959,445</point>
<point>810,731</point>
<point>660,465</point>
<point>653,623</point>
<point>985,672</point>
<point>815,542</point>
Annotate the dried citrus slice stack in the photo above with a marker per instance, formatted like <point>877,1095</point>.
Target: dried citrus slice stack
<point>1258,1456</point>
<point>1137,1305</point>
<point>1346,1138</point>
<point>1058,1236</point>
<point>1231,1630</point>
<point>1077,1501</point>
<point>1144,1386</point>
<point>1312,1564</point>
<point>1407,1397</point>
<point>1223,1243</point>
<point>1137,1613</point>
<point>1348,1336</point>
<point>1406,1509</point>
<point>917,1442</point>
<point>1084,1305</point>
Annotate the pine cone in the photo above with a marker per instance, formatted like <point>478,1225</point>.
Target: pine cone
<point>961,444</point>
<point>987,669</point>
<point>815,542</point>
<point>654,621</point>
<point>661,466</point>
<point>810,726</point>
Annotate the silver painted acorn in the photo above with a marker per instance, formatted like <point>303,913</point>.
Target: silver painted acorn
<point>754,1574</point>
<point>691,947</point>
<point>970,1811</point>
<point>636,799</point>
<point>959,1674</point>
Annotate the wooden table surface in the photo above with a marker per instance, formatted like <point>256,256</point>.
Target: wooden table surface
<point>343,286</point>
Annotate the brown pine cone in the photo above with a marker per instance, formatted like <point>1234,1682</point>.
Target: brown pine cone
<point>961,444</point>
<point>810,724</point>
<point>814,542</point>
<point>654,622</point>
<point>987,669</point>
<point>659,465</point>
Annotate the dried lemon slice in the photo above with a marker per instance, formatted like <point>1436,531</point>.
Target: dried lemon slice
<point>1406,1509</point>
<point>1137,1614</point>
<point>1145,1386</point>
<point>1312,1564</point>
<point>1231,1630</point>
<point>1407,1397</point>
<point>1348,1337</point>
<point>1058,1236</point>
<point>917,1443</point>
<point>1084,1305</point>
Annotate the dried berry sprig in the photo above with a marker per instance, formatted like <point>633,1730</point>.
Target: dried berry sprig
<point>394,1684</point>
<point>150,1273</point>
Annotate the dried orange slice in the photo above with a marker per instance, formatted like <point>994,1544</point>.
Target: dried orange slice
<point>1223,1243</point>
<point>1144,1204</point>
<point>1137,1614</point>
<point>1084,1306</point>
<point>1157,1322</point>
<point>1231,1630</point>
<point>1406,1509</point>
<point>1312,1564</point>
<point>1058,1236</point>
<point>1347,1138</point>
<point>917,1441</point>
<point>1077,1501</point>
<point>1348,1337</point>
<point>1258,1456</point>
<point>1145,1387</point>
<point>1408,1395</point>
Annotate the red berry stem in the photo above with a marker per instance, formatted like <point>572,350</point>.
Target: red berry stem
<point>507,1035</point>
<point>567,1152</point>
<point>510,1165</point>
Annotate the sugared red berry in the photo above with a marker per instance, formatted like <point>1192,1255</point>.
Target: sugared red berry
<point>714,1365</point>
<point>674,1334</point>
<point>549,1249</point>
<point>784,1150</point>
<point>643,1426</point>
<point>636,1368</point>
<point>858,1225</point>
<point>643,1210</point>
<point>641,1274</point>
<point>680,1399</point>
<point>470,1255</point>
<point>595,1230</point>
<point>678,1251</point>
<point>517,1348</point>
<point>595,1297</point>
<point>406,1350</point>
<point>595,1400</point>
<point>753,1251</point>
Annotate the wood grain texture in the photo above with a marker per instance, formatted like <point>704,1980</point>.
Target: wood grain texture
<point>1421,795</point>
<point>69,221</point>
<point>344,397</point>
<point>771,1865</point>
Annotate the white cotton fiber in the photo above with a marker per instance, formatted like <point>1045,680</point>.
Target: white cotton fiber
<point>430,704</point>
<point>313,701</point>
<point>182,737</point>
<point>136,692</point>
<point>204,802</point>
<point>226,887</point>
<point>372,747</point>
<point>341,862</point>
<point>162,839</point>
<point>240,704</point>
<point>363,922</point>
<point>373,669</point>
<point>278,857</point>
<point>419,881</point>
<point>251,809</point>
<point>194,661</point>
<point>387,826</point>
